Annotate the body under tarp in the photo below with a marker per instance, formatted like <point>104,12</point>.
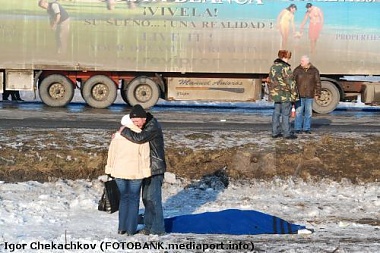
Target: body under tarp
<point>230,221</point>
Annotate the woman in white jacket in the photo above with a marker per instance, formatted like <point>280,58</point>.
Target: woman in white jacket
<point>128,163</point>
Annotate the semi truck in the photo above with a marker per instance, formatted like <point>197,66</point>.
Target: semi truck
<point>210,50</point>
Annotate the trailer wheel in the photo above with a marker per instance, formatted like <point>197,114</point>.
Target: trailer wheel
<point>99,91</point>
<point>144,91</point>
<point>56,90</point>
<point>123,92</point>
<point>329,99</point>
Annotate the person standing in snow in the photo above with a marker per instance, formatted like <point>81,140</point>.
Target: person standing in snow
<point>152,186</point>
<point>282,90</point>
<point>128,163</point>
<point>308,84</point>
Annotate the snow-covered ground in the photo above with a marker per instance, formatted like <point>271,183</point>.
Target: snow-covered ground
<point>41,217</point>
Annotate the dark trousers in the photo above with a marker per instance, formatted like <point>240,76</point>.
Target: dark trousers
<point>281,119</point>
<point>15,95</point>
<point>152,199</point>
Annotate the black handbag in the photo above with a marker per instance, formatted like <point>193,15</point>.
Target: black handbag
<point>109,202</point>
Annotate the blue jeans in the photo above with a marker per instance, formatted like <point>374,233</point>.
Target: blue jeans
<point>129,204</point>
<point>280,119</point>
<point>152,199</point>
<point>304,111</point>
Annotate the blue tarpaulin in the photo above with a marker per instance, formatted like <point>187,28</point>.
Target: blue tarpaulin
<point>230,221</point>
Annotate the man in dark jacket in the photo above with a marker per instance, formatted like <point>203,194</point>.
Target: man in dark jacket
<point>151,187</point>
<point>309,85</point>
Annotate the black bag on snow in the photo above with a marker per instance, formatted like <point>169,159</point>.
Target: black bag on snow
<point>109,202</point>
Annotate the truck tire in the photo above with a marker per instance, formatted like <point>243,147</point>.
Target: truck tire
<point>329,99</point>
<point>123,92</point>
<point>56,90</point>
<point>144,91</point>
<point>99,91</point>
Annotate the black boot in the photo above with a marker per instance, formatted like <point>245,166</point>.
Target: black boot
<point>18,98</point>
<point>5,95</point>
<point>13,95</point>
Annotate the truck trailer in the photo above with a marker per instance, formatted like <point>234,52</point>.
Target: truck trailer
<point>211,50</point>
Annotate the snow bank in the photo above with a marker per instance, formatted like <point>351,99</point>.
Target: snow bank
<point>43,217</point>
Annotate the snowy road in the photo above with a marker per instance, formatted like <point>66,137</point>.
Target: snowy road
<point>199,116</point>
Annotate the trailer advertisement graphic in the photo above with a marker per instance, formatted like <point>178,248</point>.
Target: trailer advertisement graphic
<point>192,36</point>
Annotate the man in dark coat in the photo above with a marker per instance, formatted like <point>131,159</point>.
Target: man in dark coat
<point>152,186</point>
<point>309,85</point>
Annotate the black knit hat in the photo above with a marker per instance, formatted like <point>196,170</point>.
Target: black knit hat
<point>137,112</point>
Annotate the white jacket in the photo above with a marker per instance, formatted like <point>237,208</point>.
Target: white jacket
<point>126,159</point>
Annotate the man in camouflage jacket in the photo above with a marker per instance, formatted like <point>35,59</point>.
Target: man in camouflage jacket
<point>283,93</point>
